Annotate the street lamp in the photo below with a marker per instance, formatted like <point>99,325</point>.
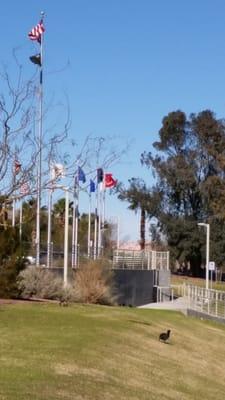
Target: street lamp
<point>207,251</point>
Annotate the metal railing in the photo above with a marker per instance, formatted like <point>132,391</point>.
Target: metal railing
<point>207,301</point>
<point>169,293</point>
<point>135,259</point>
<point>164,293</point>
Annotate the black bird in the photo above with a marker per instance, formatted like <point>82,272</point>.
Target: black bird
<point>164,336</point>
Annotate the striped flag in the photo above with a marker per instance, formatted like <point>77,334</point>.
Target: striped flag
<point>36,32</point>
<point>17,167</point>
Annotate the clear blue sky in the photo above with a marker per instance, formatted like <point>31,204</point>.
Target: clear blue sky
<point>130,63</point>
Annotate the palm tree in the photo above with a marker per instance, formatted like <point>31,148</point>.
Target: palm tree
<point>138,195</point>
<point>59,210</point>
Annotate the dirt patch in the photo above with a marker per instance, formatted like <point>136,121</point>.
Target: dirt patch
<point>26,301</point>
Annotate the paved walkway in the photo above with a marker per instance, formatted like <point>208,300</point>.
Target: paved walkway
<point>179,304</point>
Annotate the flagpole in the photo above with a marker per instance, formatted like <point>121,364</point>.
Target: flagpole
<point>49,242</point>
<point>118,234</point>
<point>103,217</point>
<point>39,171</point>
<point>76,227</point>
<point>89,228</point>
<point>99,219</point>
<point>73,228</point>
<point>21,219</point>
<point>66,234</point>
<point>96,222</point>
<point>16,169</point>
<point>103,209</point>
<point>74,221</point>
<point>13,212</point>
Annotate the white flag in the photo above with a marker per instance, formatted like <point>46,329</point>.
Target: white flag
<point>57,171</point>
<point>24,189</point>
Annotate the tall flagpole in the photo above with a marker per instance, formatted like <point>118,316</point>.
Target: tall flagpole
<point>99,219</point>
<point>74,220</point>
<point>103,208</point>
<point>118,234</point>
<point>49,240</point>
<point>21,219</point>
<point>96,222</point>
<point>103,216</point>
<point>13,211</point>
<point>39,170</point>
<point>89,228</point>
<point>76,227</point>
<point>73,228</point>
<point>66,234</point>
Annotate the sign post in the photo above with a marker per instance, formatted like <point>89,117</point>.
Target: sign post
<point>211,269</point>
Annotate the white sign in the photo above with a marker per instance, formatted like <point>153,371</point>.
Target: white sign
<point>211,265</point>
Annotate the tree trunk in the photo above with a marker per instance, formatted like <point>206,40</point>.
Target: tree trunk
<point>195,263</point>
<point>142,229</point>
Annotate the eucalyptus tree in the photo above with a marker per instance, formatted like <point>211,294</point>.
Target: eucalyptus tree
<point>188,164</point>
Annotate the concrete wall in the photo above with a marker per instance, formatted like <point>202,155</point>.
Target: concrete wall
<point>202,315</point>
<point>162,278</point>
<point>135,287</point>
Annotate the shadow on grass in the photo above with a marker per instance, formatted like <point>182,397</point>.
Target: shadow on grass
<point>134,321</point>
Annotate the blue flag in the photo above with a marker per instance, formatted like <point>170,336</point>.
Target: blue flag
<point>92,186</point>
<point>99,175</point>
<point>81,175</point>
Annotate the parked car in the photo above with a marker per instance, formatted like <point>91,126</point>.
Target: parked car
<point>30,260</point>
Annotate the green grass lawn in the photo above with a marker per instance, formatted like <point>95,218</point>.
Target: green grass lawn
<point>105,353</point>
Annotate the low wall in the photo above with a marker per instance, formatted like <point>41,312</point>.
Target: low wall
<point>134,287</point>
<point>202,315</point>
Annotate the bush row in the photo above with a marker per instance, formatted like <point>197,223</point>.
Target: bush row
<point>93,283</point>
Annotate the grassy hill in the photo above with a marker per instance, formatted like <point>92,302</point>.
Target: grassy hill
<point>179,280</point>
<point>95,352</point>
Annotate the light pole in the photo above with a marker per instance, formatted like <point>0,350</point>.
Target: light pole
<point>207,252</point>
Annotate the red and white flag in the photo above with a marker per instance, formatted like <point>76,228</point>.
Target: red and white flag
<point>24,189</point>
<point>37,31</point>
<point>109,181</point>
<point>17,167</point>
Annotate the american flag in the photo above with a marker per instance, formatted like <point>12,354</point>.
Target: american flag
<point>17,167</point>
<point>24,189</point>
<point>36,32</point>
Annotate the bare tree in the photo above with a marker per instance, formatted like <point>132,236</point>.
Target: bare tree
<point>19,148</point>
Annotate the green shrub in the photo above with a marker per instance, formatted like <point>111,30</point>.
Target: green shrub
<point>9,271</point>
<point>94,283</point>
<point>41,283</point>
